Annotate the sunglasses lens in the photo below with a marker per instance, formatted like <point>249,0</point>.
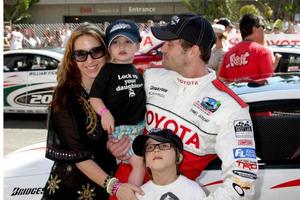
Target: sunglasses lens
<point>97,52</point>
<point>80,55</point>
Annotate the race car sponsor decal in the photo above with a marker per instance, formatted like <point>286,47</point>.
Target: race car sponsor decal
<point>43,73</point>
<point>243,128</point>
<point>245,142</point>
<point>38,95</point>
<point>245,174</point>
<point>17,191</point>
<point>244,153</point>
<point>246,164</point>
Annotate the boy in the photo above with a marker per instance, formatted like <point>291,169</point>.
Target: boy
<point>162,152</point>
<point>117,94</point>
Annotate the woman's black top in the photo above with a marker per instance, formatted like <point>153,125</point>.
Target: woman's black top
<point>75,135</point>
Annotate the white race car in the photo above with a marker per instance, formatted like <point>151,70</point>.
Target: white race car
<point>29,79</point>
<point>275,111</point>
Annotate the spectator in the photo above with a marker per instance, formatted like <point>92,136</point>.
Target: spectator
<point>57,40</point>
<point>47,39</point>
<point>248,60</point>
<point>149,24</point>
<point>16,38</point>
<point>67,34</point>
<point>276,30</point>
<point>33,39</point>
<point>219,49</point>
<point>142,29</point>
<point>229,27</point>
<point>297,27</point>
<point>7,37</point>
<point>290,28</point>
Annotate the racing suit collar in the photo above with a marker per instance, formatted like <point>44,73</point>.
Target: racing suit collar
<point>194,82</point>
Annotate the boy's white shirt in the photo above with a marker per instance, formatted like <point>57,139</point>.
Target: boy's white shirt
<point>181,189</point>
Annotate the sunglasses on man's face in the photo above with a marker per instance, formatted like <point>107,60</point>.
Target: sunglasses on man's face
<point>82,55</point>
<point>261,25</point>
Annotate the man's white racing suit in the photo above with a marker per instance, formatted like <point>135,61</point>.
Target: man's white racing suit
<point>211,120</point>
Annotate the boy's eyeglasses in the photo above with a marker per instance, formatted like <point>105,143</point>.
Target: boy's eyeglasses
<point>95,53</point>
<point>161,146</point>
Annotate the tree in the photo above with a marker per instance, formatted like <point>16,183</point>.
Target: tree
<point>212,9</point>
<point>246,9</point>
<point>284,9</point>
<point>17,11</point>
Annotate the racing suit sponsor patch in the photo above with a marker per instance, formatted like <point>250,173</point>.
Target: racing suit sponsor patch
<point>244,153</point>
<point>245,174</point>
<point>243,184</point>
<point>245,142</point>
<point>246,164</point>
<point>26,191</point>
<point>207,105</point>
<point>238,189</point>
<point>243,129</point>
<point>157,91</point>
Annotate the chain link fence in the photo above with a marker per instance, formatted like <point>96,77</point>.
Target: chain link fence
<point>51,35</point>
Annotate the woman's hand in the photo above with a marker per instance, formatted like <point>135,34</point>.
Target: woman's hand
<point>127,192</point>
<point>108,122</point>
<point>119,148</point>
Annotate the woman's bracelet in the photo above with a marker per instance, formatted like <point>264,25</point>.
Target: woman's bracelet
<point>111,185</point>
<point>116,187</point>
<point>105,183</point>
<point>102,111</point>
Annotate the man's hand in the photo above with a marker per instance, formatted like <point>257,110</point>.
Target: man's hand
<point>119,148</point>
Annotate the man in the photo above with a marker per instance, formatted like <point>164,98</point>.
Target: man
<point>229,27</point>
<point>210,119</point>
<point>248,60</point>
<point>16,39</point>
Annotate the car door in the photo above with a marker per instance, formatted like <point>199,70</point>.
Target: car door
<point>41,81</point>
<point>15,72</point>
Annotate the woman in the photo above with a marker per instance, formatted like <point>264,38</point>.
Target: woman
<point>76,142</point>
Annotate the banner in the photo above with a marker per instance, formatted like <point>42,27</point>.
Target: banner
<point>149,41</point>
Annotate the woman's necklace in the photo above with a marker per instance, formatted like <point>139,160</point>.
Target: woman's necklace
<point>86,89</point>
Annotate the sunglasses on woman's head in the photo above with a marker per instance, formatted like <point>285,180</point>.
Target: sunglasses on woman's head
<point>82,55</point>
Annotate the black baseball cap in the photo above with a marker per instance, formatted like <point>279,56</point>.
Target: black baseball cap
<point>160,135</point>
<point>122,27</point>
<point>225,22</point>
<point>192,28</point>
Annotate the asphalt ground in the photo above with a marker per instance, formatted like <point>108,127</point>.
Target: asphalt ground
<point>21,130</point>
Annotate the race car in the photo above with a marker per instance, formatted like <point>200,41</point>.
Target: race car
<point>29,79</point>
<point>275,111</point>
